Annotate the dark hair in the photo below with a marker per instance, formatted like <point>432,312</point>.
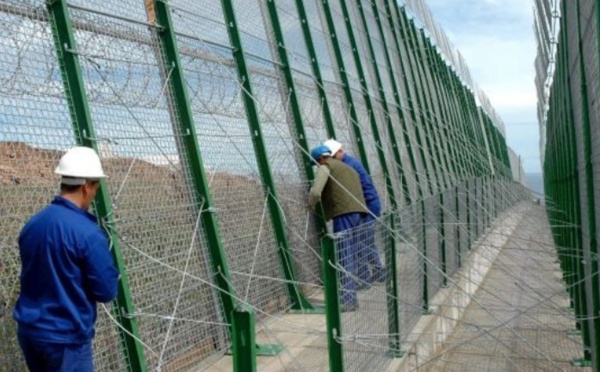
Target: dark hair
<point>73,188</point>
<point>69,188</point>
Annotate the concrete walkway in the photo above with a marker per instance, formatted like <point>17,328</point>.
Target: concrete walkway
<point>505,310</point>
<point>518,319</point>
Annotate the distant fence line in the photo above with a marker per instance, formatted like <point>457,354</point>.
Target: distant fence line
<point>568,84</point>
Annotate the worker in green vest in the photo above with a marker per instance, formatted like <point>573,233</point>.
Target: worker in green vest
<point>338,188</point>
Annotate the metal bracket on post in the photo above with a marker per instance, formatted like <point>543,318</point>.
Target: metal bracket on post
<point>581,362</point>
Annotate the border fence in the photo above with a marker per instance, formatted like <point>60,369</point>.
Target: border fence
<point>203,114</point>
<point>568,82</point>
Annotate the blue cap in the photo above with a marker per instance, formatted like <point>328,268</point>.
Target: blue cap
<point>320,151</point>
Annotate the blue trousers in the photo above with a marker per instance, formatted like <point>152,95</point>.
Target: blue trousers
<point>347,245</point>
<point>42,356</point>
<point>369,265</point>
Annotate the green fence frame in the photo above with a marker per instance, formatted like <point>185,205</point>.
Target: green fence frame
<point>66,49</point>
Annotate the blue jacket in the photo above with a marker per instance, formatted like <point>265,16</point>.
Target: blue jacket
<point>66,267</point>
<point>369,190</point>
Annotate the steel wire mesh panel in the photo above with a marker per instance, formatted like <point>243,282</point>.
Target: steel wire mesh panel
<point>478,207</point>
<point>337,102</point>
<point>534,338</point>
<point>450,243</point>
<point>383,114</point>
<point>365,333</point>
<point>342,120</point>
<point>463,202</point>
<point>472,209</point>
<point>427,159</point>
<point>576,76</point>
<point>399,60</point>
<point>358,100</point>
<point>410,268</point>
<point>328,68</point>
<point>34,130</point>
<point>393,166</point>
<point>156,214</point>
<point>424,158</point>
<point>229,156</point>
<point>432,242</point>
<point>375,168</point>
<point>156,211</point>
<point>588,18</point>
<point>344,127</point>
<point>285,155</point>
<point>306,87</point>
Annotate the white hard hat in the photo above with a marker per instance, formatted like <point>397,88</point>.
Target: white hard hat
<point>78,165</point>
<point>334,146</point>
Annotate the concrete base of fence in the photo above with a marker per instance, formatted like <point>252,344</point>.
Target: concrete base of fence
<point>449,304</point>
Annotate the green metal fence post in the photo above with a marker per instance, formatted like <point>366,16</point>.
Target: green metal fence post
<point>394,321</point>
<point>261,155</point>
<point>397,100</point>
<point>426,183</point>
<point>563,170</point>
<point>332,299</point>
<point>460,168</point>
<point>442,243</point>
<point>458,115</point>
<point>425,263</point>
<point>569,122</point>
<point>392,279</point>
<point>314,64</point>
<point>433,101</point>
<point>469,212</point>
<point>391,286</point>
<point>416,119</point>
<point>382,98</point>
<point>346,87</point>
<point>590,193</point>
<point>185,124</point>
<point>301,302</point>
<point>451,157</point>
<point>243,339</point>
<point>457,230</point>
<point>422,103</point>
<point>66,49</point>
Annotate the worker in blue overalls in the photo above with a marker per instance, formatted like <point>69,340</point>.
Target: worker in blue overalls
<point>369,267</point>
<point>66,268</point>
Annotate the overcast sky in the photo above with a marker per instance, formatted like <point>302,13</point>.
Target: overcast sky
<point>497,41</point>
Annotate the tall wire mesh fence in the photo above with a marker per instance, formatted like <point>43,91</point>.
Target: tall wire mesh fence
<point>396,92</point>
<point>567,78</point>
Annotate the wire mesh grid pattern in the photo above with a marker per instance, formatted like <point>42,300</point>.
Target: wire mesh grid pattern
<point>431,241</point>
<point>35,128</point>
<point>568,59</point>
<point>379,81</point>
<point>161,245</point>
<point>157,214</point>
<point>244,195</point>
<point>410,268</point>
<point>514,292</point>
<point>365,333</point>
